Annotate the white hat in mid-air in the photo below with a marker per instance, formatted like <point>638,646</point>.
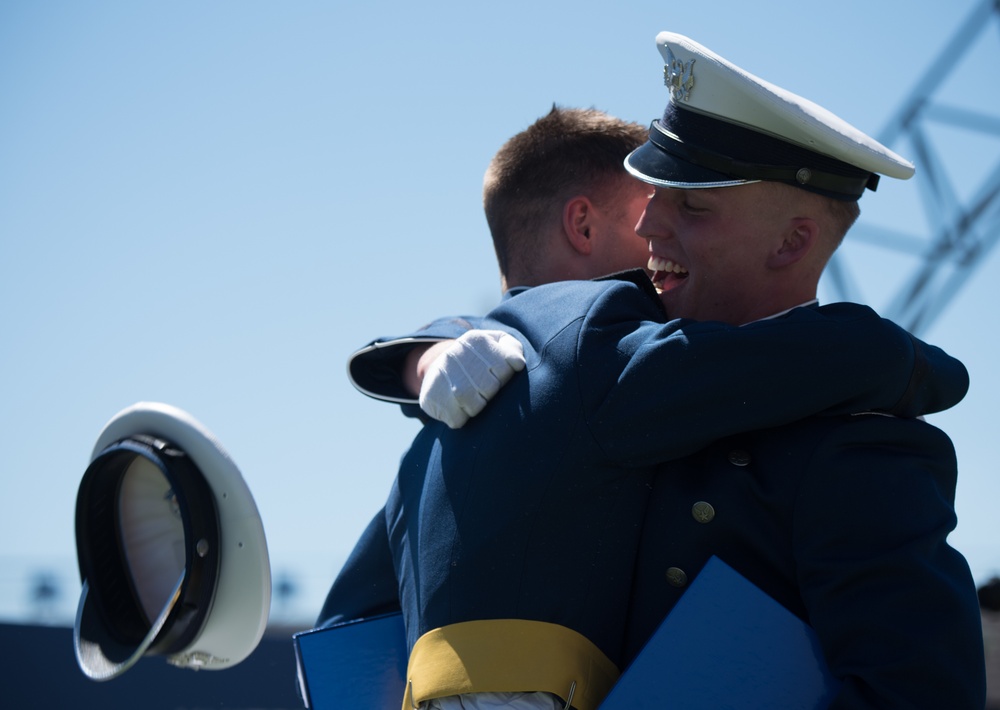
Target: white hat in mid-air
<point>170,546</point>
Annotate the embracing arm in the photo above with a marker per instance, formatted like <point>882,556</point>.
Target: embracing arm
<point>695,382</point>
<point>380,369</point>
<point>679,386</point>
<point>657,391</point>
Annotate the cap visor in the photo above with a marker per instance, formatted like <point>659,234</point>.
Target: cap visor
<point>100,655</point>
<point>655,166</point>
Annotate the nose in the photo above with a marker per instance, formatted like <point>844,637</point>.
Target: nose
<point>653,222</point>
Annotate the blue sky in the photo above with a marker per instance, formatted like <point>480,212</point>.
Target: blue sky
<point>213,204</point>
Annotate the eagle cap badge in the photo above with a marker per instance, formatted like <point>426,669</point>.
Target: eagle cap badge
<point>678,76</point>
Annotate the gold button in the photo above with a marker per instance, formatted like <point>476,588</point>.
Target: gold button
<point>739,457</point>
<point>677,577</point>
<point>703,512</point>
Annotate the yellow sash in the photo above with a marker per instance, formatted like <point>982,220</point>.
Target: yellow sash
<point>508,655</point>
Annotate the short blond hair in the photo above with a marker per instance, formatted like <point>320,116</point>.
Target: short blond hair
<point>567,152</point>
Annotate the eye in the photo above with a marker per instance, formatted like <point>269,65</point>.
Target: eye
<point>693,207</point>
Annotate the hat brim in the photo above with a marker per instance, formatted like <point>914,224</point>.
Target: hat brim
<point>99,653</point>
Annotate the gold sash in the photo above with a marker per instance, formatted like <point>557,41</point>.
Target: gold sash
<point>508,655</point>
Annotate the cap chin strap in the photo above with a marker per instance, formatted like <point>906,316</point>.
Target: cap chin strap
<point>810,178</point>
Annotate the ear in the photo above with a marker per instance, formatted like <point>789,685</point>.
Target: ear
<point>578,223</point>
<point>800,237</point>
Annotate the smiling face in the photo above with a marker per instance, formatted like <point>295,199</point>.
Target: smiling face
<point>712,252</point>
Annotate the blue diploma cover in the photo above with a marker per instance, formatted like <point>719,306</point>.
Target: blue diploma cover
<point>357,664</point>
<point>724,646</point>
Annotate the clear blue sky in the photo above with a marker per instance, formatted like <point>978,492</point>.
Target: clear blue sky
<point>213,204</point>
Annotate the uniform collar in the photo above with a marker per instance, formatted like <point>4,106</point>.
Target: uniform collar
<point>807,304</point>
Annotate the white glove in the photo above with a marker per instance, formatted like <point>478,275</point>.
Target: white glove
<point>461,381</point>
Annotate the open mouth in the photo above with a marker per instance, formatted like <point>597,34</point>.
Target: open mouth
<point>667,274</point>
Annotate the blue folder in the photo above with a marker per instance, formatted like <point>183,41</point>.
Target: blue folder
<point>359,664</point>
<point>725,645</point>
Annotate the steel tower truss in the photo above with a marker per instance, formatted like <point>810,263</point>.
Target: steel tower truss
<point>963,225</point>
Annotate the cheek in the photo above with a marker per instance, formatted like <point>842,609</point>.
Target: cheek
<point>633,252</point>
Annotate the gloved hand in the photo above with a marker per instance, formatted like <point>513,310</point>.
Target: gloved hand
<point>462,380</point>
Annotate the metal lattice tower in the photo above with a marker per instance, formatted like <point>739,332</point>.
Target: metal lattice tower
<point>963,225</point>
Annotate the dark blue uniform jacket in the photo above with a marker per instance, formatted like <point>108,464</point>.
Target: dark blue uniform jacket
<point>579,495</point>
